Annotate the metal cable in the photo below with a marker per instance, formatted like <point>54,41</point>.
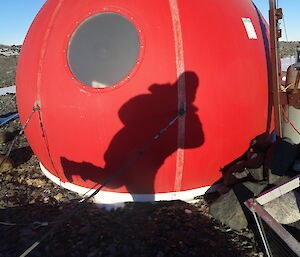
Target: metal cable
<point>285,30</point>
<point>47,143</point>
<point>262,233</point>
<point>82,204</point>
<point>287,87</point>
<point>286,35</point>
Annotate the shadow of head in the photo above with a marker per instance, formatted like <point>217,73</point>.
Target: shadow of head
<point>187,82</point>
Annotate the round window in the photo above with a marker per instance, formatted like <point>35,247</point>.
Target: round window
<point>103,49</point>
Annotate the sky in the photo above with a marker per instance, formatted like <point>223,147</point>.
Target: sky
<point>291,13</point>
<point>17,15</point>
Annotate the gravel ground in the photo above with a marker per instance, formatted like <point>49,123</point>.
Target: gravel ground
<point>7,70</point>
<point>139,229</point>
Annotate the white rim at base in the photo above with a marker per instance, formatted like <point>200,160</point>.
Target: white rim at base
<point>104,197</point>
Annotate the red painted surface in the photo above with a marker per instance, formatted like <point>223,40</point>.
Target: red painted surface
<point>89,133</point>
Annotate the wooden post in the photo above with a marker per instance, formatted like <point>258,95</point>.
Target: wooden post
<point>275,33</point>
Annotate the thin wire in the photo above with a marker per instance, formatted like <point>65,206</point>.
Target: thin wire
<point>110,179</point>
<point>262,233</point>
<point>286,35</point>
<point>47,143</point>
<point>285,30</point>
<point>288,86</point>
<point>22,130</point>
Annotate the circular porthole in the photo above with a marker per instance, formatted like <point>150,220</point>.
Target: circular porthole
<point>103,49</point>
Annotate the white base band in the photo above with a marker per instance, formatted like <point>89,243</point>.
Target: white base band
<point>104,197</point>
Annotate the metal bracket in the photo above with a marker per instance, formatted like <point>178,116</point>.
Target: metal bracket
<point>255,205</point>
<point>283,98</point>
<point>279,13</point>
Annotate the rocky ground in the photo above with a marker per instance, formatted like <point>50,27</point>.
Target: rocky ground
<point>8,62</point>
<point>139,229</point>
<point>287,49</point>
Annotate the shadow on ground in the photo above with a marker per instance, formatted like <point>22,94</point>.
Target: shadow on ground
<point>139,229</point>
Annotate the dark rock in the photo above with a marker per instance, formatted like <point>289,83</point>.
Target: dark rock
<point>227,208</point>
<point>85,230</point>
<point>6,164</point>
<point>7,135</point>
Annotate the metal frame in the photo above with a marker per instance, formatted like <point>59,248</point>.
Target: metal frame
<point>275,33</point>
<point>255,205</point>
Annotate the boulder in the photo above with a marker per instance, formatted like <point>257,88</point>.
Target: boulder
<point>227,208</point>
<point>228,211</point>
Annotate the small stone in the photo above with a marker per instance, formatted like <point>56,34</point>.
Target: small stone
<point>46,200</point>
<point>21,178</point>
<point>29,182</point>
<point>40,183</point>
<point>8,177</point>
<point>202,208</point>
<point>187,211</point>
<point>2,137</point>
<point>7,135</point>
<point>20,170</point>
<point>6,164</point>
<point>58,197</point>
<point>36,182</point>
<point>9,193</point>
<point>250,235</point>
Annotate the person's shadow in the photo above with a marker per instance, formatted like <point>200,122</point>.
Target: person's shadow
<point>143,117</point>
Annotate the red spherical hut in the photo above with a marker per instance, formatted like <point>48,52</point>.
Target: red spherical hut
<point>109,75</point>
